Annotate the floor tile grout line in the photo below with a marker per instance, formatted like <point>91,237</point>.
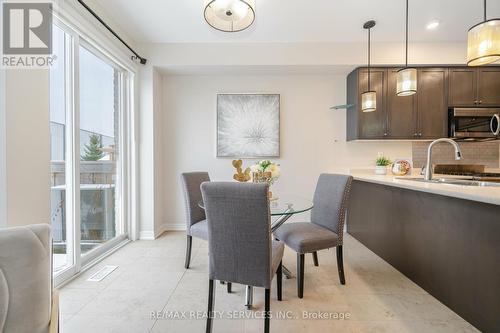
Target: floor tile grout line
<point>99,291</point>
<point>168,298</point>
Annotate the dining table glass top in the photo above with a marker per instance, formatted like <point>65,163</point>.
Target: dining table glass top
<point>289,205</point>
<point>285,205</point>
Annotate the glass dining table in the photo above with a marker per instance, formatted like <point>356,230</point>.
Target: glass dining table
<point>282,208</point>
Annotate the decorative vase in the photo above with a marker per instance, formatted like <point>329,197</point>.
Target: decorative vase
<point>380,170</point>
<point>401,168</point>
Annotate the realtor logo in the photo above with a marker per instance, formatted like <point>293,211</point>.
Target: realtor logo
<point>27,28</point>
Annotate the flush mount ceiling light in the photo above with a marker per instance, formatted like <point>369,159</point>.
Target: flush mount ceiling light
<point>483,42</point>
<point>229,15</point>
<point>406,84</point>
<point>433,25</point>
<point>369,98</point>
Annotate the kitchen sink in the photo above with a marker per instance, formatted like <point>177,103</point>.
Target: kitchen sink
<point>454,181</point>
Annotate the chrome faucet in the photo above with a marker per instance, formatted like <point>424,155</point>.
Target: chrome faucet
<point>429,170</point>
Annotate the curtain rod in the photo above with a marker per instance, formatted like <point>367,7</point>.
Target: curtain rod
<point>136,56</point>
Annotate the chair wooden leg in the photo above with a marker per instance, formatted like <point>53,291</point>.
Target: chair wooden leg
<point>315,258</point>
<point>279,281</point>
<point>300,275</point>
<point>267,309</point>
<point>189,245</point>
<point>340,264</point>
<point>229,285</point>
<point>210,312</point>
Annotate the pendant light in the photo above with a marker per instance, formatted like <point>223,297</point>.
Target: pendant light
<point>483,42</point>
<point>369,98</point>
<point>229,15</point>
<point>406,84</point>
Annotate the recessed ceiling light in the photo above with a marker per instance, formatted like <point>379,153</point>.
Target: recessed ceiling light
<point>433,25</point>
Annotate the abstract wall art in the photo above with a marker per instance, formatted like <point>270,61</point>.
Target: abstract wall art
<point>248,125</point>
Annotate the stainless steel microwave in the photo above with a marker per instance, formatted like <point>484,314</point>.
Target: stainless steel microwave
<point>474,123</point>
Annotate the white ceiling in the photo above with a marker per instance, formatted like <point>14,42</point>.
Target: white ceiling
<point>167,21</point>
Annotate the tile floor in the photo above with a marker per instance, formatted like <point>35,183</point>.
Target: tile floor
<point>151,278</point>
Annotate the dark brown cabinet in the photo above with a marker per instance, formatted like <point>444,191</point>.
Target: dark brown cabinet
<point>470,87</point>
<point>488,86</point>
<point>401,110</point>
<point>373,125</point>
<point>463,86</point>
<point>432,103</point>
<point>425,114</point>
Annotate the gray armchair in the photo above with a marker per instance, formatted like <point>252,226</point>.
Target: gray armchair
<point>326,228</point>
<point>27,304</point>
<point>241,249</point>
<point>196,223</point>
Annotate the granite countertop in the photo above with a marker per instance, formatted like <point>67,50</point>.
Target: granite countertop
<point>489,195</point>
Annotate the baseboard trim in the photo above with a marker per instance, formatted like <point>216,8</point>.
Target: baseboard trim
<point>160,230</point>
<point>175,227</point>
<point>152,235</point>
<point>146,235</point>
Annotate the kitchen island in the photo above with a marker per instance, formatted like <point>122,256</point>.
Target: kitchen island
<point>446,238</point>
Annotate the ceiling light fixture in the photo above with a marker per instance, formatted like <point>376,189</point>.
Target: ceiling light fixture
<point>406,83</point>
<point>369,97</point>
<point>483,42</point>
<point>229,15</point>
<point>433,24</point>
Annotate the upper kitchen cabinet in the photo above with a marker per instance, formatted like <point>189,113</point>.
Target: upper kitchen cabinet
<point>366,125</point>
<point>463,86</point>
<point>401,111</point>
<point>424,115</point>
<point>432,103</point>
<point>488,86</point>
<point>478,86</point>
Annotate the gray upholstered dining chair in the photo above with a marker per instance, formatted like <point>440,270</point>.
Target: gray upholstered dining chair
<point>240,245</point>
<point>326,227</point>
<point>27,302</point>
<point>196,223</point>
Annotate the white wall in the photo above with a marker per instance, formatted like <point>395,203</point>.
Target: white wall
<point>27,147</point>
<point>159,226</point>
<point>150,213</point>
<point>3,164</point>
<point>312,136</point>
<point>300,54</point>
<point>146,155</point>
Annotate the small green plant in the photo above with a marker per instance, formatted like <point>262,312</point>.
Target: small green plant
<point>382,161</point>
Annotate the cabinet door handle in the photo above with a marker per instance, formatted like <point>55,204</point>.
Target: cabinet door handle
<point>416,134</point>
<point>480,102</point>
<point>385,134</point>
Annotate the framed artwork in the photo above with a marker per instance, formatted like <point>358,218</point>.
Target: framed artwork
<point>248,125</point>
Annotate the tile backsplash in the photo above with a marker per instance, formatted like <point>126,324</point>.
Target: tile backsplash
<point>486,153</point>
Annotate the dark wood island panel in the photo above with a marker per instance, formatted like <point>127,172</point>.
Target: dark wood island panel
<point>448,246</point>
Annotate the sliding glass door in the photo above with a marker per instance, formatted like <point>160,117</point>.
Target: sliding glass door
<point>87,119</point>
<point>99,149</point>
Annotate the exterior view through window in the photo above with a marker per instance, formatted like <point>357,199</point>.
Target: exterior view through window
<point>99,150</point>
<point>86,109</point>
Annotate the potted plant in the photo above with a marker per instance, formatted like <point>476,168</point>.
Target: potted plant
<point>381,165</point>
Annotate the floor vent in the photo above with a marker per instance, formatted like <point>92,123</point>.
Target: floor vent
<point>102,273</point>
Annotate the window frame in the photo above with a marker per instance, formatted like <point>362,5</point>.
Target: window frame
<point>127,210</point>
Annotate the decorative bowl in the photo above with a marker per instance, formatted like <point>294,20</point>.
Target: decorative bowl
<point>401,168</point>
